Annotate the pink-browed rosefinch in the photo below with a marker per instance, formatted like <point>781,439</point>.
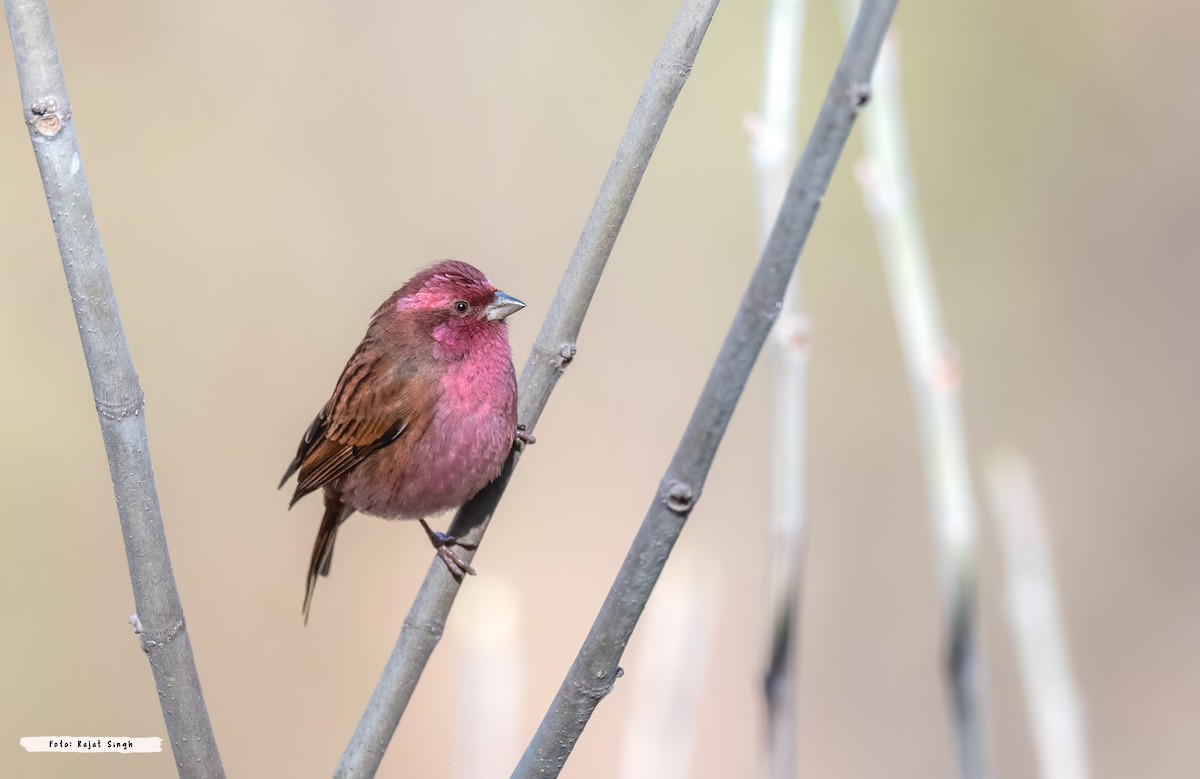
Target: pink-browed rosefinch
<point>423,416</point>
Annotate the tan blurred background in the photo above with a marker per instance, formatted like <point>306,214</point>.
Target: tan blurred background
<point>265,173</point>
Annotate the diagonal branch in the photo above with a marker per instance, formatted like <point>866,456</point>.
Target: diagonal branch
<point>596,669</point>
<point>552,352</point>
<point>118,395</point>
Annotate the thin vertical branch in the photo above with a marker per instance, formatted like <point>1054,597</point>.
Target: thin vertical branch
<point>1055,711</point>
<point>596,668</point>
<point>668,688</point>
<point>115,387</point>
<point>552,352</point>
<point>774,148</point>
<point>933,376</point>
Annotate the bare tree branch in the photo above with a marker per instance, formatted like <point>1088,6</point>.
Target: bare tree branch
<point>596,668</point>
<point>774,144</point>
<point>118,394</point>
<point>933,376</point>
<point>552,352</point>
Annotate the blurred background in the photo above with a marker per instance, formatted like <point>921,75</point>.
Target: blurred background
<point>265,174</point>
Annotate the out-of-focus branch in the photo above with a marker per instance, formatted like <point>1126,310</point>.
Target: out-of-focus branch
<point>773,149</point>
<point>669,672</point>
<point>933,376</point>
<point>115,387</point>
<point>595,669</point>
<point>552,352</point>
<point>1055,711</point>
<point>490,679</point>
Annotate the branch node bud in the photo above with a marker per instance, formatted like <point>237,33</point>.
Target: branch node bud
<point>680,497</point>
<point>47,118</point>
<point>860,93</point>
<point>567,353</point>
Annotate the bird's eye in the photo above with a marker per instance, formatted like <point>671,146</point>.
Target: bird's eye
<point>461,306</point>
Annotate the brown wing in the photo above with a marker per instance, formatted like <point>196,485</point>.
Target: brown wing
<point>378,398</point>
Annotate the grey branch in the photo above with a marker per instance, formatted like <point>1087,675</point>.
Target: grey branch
<point>552,352</point>
<point>596,668</point>
<point>118,395</point>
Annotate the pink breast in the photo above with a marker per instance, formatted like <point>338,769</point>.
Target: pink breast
<point>462,450</point>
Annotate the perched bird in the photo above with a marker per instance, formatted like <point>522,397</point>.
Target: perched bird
<point>423,416</point>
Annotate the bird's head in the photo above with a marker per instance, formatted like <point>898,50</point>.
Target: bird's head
<point>457,305</point>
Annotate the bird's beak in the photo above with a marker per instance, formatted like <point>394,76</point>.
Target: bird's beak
<point>502,305</point>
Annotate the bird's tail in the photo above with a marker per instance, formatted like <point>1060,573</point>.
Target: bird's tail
<point>322,554</point>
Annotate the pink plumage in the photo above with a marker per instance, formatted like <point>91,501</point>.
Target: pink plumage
<point>424,414</point>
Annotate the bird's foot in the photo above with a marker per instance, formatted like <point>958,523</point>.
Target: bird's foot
<point>523,438</point>
<point>444,543</point>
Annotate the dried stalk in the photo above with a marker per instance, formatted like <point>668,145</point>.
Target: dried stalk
<point>669,680</point>
<point>490,679</point>
<point>1055,711</point>
<point>774,147</point>
<point>596,668</point>
<point>933,376</point>
<point>115,387</point>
